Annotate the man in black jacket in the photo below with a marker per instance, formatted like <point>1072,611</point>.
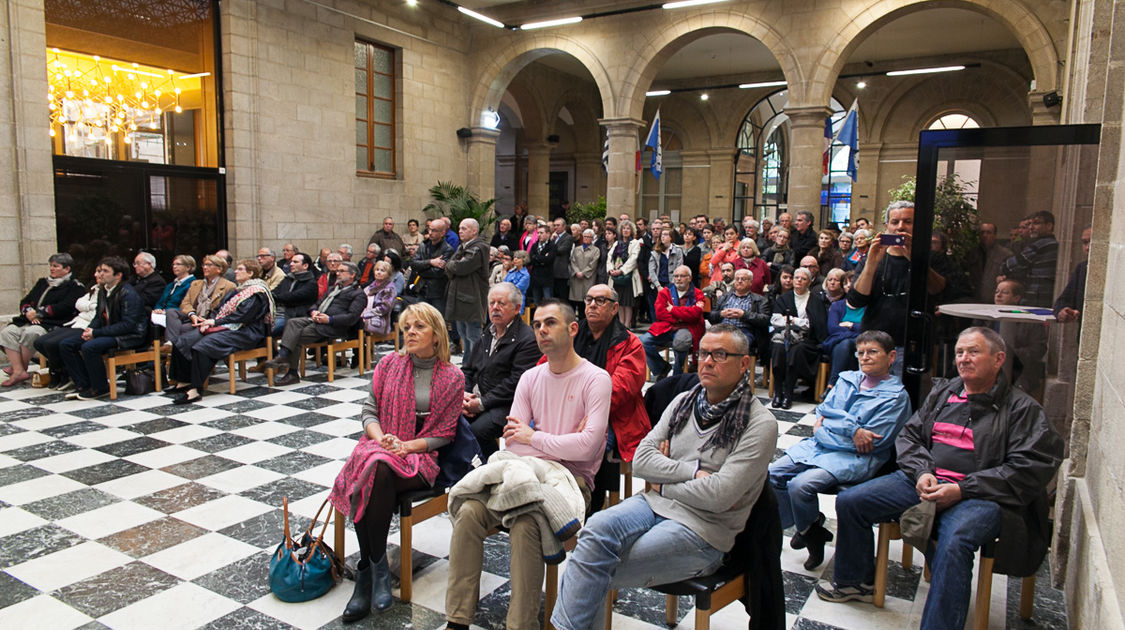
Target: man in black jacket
<point>804,237</point>
<point>542,267</point>
<point>743,308</point>
<point>119,324</point>
<point>982,452</point>
<point>335,316</point>
<point>296,294</point>
<point>564,243</point>
<point>428,264</point>
<point>147,283</point>
<point>506,350</point>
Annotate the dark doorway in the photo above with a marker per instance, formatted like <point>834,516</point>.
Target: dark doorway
<point>558,192</point>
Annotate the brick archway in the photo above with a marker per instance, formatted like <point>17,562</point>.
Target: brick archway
<point>666,41</point>
<point>1026,27</point>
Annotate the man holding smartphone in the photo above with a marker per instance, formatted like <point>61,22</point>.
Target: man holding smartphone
<point>882,281</point>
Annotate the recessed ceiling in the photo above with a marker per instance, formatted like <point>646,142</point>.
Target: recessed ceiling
<point>925,33</point>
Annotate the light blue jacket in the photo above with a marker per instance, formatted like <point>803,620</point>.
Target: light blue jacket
<point>883,409</point>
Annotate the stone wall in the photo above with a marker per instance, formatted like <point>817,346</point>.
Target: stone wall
<point>27,199</point>
<point>290,121</point>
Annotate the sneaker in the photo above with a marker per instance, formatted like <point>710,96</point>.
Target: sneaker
<point>829,592</point>
<point>65,387</point>
<point>92,395</point>
<point>72,396</point>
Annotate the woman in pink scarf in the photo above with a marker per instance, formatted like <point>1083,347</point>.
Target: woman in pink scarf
<point>412,411</point>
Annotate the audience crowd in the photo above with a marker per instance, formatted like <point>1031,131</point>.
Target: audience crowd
<point>550,385</point>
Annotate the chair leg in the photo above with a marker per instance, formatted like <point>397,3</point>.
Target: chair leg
<point>821,381</point>
<point>301,361</point>
<point>627,490</point>
<point>609,600</point>
<point>330,359</point>
<point>551,594</point>
<point>881,553</point>
<point>230,372</point>
<point>406,558</point>
<point>269,357</point>
<point>111,372</point>
<point>338,525</point>
<point>702,619</point>
<point>361,350</point>
<point>671,609</point>
<point>753,361</point>
<point>984,594</point>
<point>1027,597</point>
<point>907,556</point>
<point>156,365</point>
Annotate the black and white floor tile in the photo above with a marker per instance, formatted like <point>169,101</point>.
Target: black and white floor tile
<point>137,513</point>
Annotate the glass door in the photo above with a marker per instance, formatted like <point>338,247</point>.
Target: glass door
<point>1001,233</point>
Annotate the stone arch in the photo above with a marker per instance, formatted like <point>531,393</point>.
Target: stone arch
<point>586,127</point>
<point>500,67</point>
<point>1020,20</point>
<point>670,39</point>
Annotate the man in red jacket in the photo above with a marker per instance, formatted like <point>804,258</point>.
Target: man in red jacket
<point>604,341</point>
<point>679,306</point>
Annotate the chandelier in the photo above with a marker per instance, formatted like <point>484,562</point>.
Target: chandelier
<point>93,99</point>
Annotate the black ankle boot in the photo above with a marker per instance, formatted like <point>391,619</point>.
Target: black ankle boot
<point>359,606</point>
<point>814,541</point>
<point>382,587</point>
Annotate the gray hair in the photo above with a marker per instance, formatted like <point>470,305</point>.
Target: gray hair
<point>741,341</point>
<point>750,243</point>
<point>62,258</point>
<point>515,296</point>
<point>344,246</point>
<point>350,266</point>
<point>995,341</point>
<point>147,257</point>
<point>802,270</point>
<point>896,205</point>
<point>847,235</point>
<point>522,255</point>
<point>589,232</point>
<point>472,223</point>
<point>864,232</point>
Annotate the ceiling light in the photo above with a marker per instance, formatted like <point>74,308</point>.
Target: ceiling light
<point>704,96</point>
<point>482,18</point>
<point>761,84</point>
<point>411,3</point>
<point>688,3</point>
<point>658,93</point>
<point>860,85</point>
<point>548,23</point>
<point>900,73</point>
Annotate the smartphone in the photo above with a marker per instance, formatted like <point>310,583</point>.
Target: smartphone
<point>893,240</point>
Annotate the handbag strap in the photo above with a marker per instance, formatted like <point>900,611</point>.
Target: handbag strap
<point>285,511</point>
<point>316,518</point>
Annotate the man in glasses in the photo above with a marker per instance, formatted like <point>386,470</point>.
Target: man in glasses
<point>679,306</point>
<point>852,438</point>
<point>604,341</point>
<point>707,459</point>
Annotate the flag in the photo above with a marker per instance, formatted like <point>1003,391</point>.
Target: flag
<point>849,137</point>
<point>605,153</point>
<point>827,142</point>
<point>657,163</point>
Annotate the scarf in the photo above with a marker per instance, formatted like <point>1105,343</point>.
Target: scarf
<point>203,300</point>
<point>52,283</point>
<point>675,295</point>
<point>327,301</point>
<point>732,413</point>
<point>621,250</point>
<point>596,351</point>
<point>245,292</point>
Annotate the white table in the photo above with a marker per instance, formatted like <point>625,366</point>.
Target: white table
<point>995,312</point>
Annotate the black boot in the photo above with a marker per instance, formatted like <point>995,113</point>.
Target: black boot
<point>815,538</point>
<point>382,589</point>
<point>359,606</point>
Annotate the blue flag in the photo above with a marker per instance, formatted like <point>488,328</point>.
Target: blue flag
<point>849,137</point>
<point>657,164</point>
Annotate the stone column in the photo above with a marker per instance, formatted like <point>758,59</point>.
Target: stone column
<point>621,186</point>
<point>27,186</point>
<point>589,179</point>
<point>806,158</point>
<point>480,166</point>
<point>720,201</point>
<point>538,178</point>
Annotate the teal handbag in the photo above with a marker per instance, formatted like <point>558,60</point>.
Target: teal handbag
<point>304,570</point>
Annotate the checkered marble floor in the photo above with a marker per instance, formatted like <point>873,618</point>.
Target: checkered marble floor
<point>137,513</point>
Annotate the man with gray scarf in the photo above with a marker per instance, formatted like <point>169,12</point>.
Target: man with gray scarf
<point>335,316</point>
<point>707,460</point>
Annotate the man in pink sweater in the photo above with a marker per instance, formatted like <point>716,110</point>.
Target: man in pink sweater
<point>560,413</point>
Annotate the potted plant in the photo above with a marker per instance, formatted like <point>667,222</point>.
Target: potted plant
<point>954,213</point>
<point>457,203</point>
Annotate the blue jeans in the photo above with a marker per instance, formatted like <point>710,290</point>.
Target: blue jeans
<point>797,486</point>
<point>653,345</point>
<point>843,359</point>
<point>626,545</point>
<point>470,336</point>
<point>961,529</point>
<point>83,361</point>
<point>540,292</point>
<point>278,327</point>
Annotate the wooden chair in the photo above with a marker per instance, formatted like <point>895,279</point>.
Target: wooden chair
<point>821,379</point>
<point>242,356</point>
<point>371,339</point>
<point>413,508</point>
<point>890,531</point>
<point>144,354</point>
<point>332,346</point>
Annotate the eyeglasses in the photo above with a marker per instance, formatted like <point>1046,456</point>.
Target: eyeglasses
<point>868,353</point>
<point>718,356</point>
<point>600,300</point>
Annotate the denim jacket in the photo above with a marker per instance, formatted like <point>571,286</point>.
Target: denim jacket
<point>882,409</point>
